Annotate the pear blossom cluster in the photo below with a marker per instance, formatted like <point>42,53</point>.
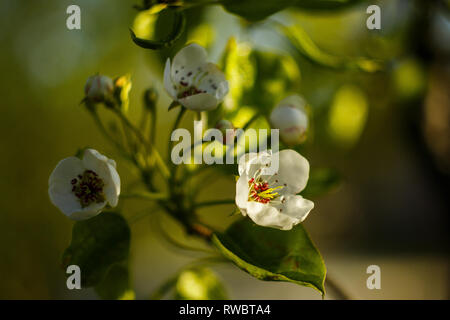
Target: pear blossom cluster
<point>82,187</point>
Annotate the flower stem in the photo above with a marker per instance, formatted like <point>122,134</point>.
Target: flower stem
<point>249,122</point>
<point>108,136</point>
<point>145,195</point>
<point>159,162</point>
<point>169,150</point>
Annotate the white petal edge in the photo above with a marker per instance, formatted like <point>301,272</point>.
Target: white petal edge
<point>60,187</point>
<point>268,216</point>
<point>293,171</point>
<point>214,82</point>
<point>101,165</point>
<point>168,85</point>
<point>242,193</point>
<point>190,57</point>
<point>243,160</point>
<point>200,102</point>
<point>64,200</point>
<point>297,207</point>
<point>88,212</point>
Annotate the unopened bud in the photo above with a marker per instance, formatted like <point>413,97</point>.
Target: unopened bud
<point>227,129</point>
<point>99,88</point>
<point>150,99</point>
<point>291,118</point>
<point>122,87</point>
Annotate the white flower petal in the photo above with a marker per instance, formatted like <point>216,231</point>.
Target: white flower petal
<point>259,163</point>
<point>199,102</point>
<point>213,82</point>
<point>292,123</point>
<point>88,212</point>
<point>242,193</point>
<point>296,207</point>
<point>293,172</point>
<point>170,87</point>
<point>268,216</point>
<point>66,170</point>
<point>64,200</point>
<point>92,157</point>
<point>60,187</point>
<point>188,59</point>
<point>112,190</point>
<point>112,163</point>
<point>101,165</point>
<point>243,160</point>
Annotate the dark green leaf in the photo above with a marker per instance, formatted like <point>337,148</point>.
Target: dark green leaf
<point>96,244</point>
<point>199,283</point>
<point>193,16</point>
<point>273,255</point>
<point>254,10</point>
<point>321,181</point>
<point>325,5</point>
<point>115,284</point>
<point>179,24</point>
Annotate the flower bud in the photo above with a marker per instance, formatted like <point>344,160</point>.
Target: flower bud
<point>227,129</point>
<point>150,99</point>
<point>291,118</point>
<point>122,87</point>
<point>99,88</point>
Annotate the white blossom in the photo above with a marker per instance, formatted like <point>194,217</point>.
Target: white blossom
<point>81,188</point>
<point>290,117</point>
<point>272,200</point>
<point>194,83</point>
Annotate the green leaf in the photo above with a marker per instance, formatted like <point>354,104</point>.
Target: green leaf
<point>97,243</point>
<point>115,284</point>
<point>321,181</point>
<point>261,79</point>
<point>273,255</point>
<point>276,76</point>
<point>255,10</point>
<point>179,24</point>
<point>305,46</point>
<point>199,283</point>
<point>325,5</point>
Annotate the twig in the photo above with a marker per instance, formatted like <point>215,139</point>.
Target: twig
<point>341,294</point>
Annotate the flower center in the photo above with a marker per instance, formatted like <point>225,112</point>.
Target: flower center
<point>189,92</point>
<point>88,188</point>
<point>187,83</point>
<point>260,191</point>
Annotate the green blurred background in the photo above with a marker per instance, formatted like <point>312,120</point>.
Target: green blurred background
<point>388,134</point>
